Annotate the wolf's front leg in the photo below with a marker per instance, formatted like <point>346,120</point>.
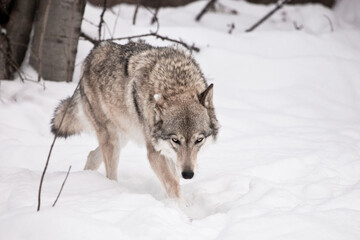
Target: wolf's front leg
<point>165,172</point>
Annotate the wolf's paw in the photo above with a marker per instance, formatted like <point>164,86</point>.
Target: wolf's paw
<point>180,205</point>
<point>186,202</point>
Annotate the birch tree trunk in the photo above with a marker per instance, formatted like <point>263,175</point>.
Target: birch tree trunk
<point>18,29</point>
<point>16,17</point>
<point>56,35</point>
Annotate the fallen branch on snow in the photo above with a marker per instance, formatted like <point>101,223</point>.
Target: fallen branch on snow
<point>52,146</point>
<point>205,9</point>
<point>62,186</point>
<point>279,5</point>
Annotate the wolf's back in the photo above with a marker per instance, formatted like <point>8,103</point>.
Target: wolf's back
<point>73,122</point>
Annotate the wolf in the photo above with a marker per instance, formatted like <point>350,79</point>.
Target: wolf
<point>156,96</point>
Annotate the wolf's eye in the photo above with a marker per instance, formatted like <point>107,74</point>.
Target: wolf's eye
<point>175,140</point>
<point>199,140</point>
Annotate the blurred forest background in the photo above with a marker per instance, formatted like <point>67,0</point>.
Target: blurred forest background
<point>50,29</point>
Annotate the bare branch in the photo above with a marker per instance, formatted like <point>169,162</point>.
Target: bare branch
<point>205,9</point>
<point>90,22</point>
<point>155,18</point>
<point>102,19</point>
<point>165,38</point>
<point>108,29</point>
<point>46,16</point>
<point>297,26</point>
<point>231,28</point>
<point>88,38</point>
<point>330,23</point>
<point>156,35</point>
<point>62,186</point>
<point>151,34</point>
<point>135,12</point>
<point>221,8</point>
<point>116,20</point>
<point>131,37</point>
<point>52,146</point>
<point>279,5</point>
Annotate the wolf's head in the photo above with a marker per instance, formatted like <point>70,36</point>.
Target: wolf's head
<point>183,125</point>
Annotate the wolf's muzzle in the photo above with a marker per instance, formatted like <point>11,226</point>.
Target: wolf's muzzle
<point>187,174</point>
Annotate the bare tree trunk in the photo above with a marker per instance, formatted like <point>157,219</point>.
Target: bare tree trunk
<point>16,17</point>
<point>5,65</point>
<point>5,7</point>
<point>59,33</point>
<point>19,28</point>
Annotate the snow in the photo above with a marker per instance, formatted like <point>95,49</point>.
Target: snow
<point>286,164</point>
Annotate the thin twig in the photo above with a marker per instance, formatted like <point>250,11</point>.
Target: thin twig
<point>101,19</point>
<point>205,9</point>
<point>164,38</point>
<point>90,22</point>
<point>108,29</point>
<point>135,12</point>
<point>221,8</point>
<point>155,18</point>
<point>231,27</point>
<point>269,14</point>
<point>132,37</point>
<point>151,34</point>
<point>297,26</point>
<point>52,146</point>
<point>88,38</point>
<point>46,15</point>
<point>330,23</point>
<point>62,186</point>
<point>116,20</point>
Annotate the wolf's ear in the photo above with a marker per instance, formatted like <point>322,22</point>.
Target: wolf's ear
<point>206,97</point>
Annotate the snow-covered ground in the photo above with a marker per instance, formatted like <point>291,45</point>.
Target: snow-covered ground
<point>286,164</point>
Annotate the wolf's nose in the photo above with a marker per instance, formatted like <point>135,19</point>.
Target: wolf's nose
<point>187,174</point>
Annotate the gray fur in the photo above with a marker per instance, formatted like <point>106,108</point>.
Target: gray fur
<point>71,125</point>
<point>155,95</point>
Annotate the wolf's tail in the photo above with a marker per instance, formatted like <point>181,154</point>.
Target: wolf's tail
<point>73,122</point>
